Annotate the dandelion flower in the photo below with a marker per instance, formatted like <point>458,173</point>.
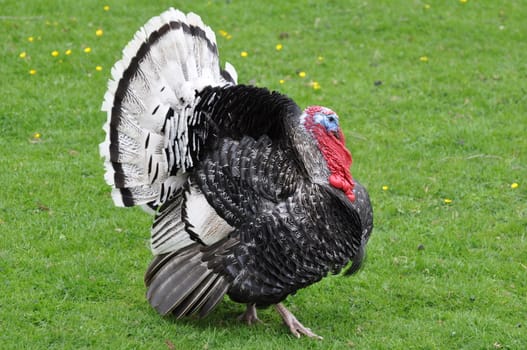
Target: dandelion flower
<point>32,71</point>
<point>463,1</point>
<point>281,81</point>
<point>320,59</point>
<point>54,53</point>
<point>447,200</point>
<point>279,47</point>
<point>98,68</point>
<point>99,32</point>
<point>315,85</point>
<point>37,135</point>
<point>87,49</point>
<point>385,188</point>
<point>514,185</point>
<point>224,34</point>
<point>106,8</point>
<point>22,55</point>
<point>30,39</point>
<point>427,6</point>
<point>423,59</point>
<point>67,52</point>
<point>302,74</point>
<point>244,54</point>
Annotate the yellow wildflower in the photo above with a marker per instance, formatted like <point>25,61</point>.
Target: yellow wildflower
<point>302,74</point>
<point>32,71</point>
<point>514,185</point>
<point>67,52</point>
<point>279,47</point>
<point>315,85</point>
<point>87,49</point>
<point>98,68</point>
<point>23,55</point>
<point>37,135</point>
<point>54,53</point>
<point>427,6</point>
<point>463,1</point>
<point>281,81</point>
<point>385,188</point>
<point>320,59</point>
<point>423,58</point>
<point>30,39</point>
<point>224,34</point>
<point>447,200</point>
<point>99,32</point>
<point>106,8</point>
<point>244,54</point>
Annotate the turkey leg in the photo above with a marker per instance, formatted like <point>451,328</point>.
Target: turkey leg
<point>249,316</point>
<point>294,325</point>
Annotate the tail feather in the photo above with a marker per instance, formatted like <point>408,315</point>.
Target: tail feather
<point>168,231</point>
<point>182,284</point>
<point>149,105</point>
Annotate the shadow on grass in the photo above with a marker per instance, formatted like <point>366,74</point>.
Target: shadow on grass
<point>225,319</point>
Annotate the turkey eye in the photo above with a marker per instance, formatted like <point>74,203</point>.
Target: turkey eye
<point>331,119</point>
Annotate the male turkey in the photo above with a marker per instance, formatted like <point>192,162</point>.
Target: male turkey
<point>253,197</point>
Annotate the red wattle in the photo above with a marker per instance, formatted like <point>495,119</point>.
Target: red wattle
<point>336,154</point>
<point>350,195</point>
<point>342,184</point>
<point>336,181</point>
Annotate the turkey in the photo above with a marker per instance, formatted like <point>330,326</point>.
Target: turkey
<point>253,197</point>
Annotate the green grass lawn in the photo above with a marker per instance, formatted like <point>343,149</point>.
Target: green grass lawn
<point>432,95</point>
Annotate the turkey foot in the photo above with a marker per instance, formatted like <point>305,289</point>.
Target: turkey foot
<point>249,316</point>
<point>294,325</point>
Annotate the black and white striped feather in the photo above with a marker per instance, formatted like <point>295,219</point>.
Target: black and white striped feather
<point>150,142</point>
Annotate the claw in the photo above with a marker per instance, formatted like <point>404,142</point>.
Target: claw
<point>294,325</point>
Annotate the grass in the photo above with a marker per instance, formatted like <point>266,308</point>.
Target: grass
<point>433,99</point>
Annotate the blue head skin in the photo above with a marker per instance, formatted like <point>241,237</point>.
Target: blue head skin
<point>325,117</point>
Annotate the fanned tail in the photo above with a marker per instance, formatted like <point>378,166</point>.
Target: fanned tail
<point>152,133</point>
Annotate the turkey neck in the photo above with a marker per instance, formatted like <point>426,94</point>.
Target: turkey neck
<point>315,147</point>
<point>310,156</point>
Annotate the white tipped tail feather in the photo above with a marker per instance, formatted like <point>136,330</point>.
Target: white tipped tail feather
<point>150,105</point>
